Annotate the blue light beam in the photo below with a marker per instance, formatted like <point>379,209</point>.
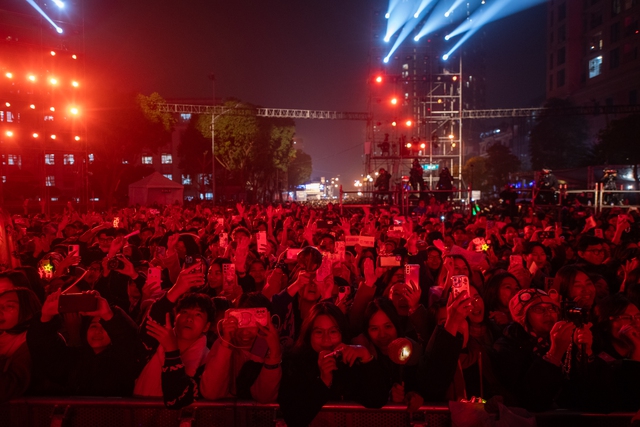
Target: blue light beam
<point>406,30</point>
<point>41,12</point>
<point>435,21</point>
<point>423,6</point>
<point>452,8</point>
<point>496,10</point>
<point>401,13</point>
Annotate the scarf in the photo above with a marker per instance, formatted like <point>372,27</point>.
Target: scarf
<point>149,383</point>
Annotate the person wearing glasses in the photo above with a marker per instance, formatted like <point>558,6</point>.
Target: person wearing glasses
<point>592,254</point>
<point>536,355</point>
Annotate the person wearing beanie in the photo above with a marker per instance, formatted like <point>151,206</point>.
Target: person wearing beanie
<point>538,354</point>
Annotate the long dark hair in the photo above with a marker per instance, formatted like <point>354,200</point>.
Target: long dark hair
<point>491,290</point>
<point>30,306</point>
<point>385,305</point>
<point>303,344</point>
<point>564,280</point>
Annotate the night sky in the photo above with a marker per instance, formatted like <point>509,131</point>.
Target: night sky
<point>287,54</point>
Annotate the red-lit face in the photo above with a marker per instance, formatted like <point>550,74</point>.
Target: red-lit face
<point>191,323</point>
<point>508,288</point>
<point>381,330</point>
<point>582,290</point>
<point>542,317</point>
<point>325,334</point>
<point>594,254</point>
<point>628,317</point>
<point>97,337</point>
<point>510,234</point>
<point>214,277</point>
<point>477,312</point>
<point>434,260</point>
<point>399,298</point>
<point>537,255</point>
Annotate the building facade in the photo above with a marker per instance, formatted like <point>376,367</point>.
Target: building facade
<point>593,53</point>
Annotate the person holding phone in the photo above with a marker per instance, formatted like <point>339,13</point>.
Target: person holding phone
<point>104,364</point>
<point>244,361</point>
<point>293,303</point>
<point>537,355</point>
<point>321,367</point>
<point>192,312</point>
<point>382,328</point>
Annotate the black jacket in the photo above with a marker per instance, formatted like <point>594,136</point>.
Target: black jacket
<point>78,370</point>
<point>302,392</point>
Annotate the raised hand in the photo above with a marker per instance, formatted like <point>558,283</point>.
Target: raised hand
<point>163,333</point>
<point>272,337</point>
<point>327,365</point>
<point>103,310</point>
<point>50,306</point>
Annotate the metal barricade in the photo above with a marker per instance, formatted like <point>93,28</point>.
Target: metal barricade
<point>130,412</point>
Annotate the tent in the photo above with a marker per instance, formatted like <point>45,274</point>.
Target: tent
<point>155,188</point>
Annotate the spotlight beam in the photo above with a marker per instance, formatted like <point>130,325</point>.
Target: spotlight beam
<point>498,9</point>
<point>423,6</point>
<point>453,7</point>
<point>401,14</point>
<point>44,15</point>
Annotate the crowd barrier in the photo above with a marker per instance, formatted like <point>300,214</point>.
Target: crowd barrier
<point>127,412</point>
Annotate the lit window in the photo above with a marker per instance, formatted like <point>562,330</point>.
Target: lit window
<point>147,160</point>
<point>168,176</point>
<point>595,67</point>
<point>68,159</point>
<point>94,199</point>
<point>208,196</point>
<point>49,159</point>
<point>54,199</point>
<point>125,162</point>
<point>4,179</point>
<point>14,160</point>
<point>185,117</point>
<point>48,118</point>
<point>50,181</point>
<point>91,158</point>
<point>167,159</point>
<point>186,179</point>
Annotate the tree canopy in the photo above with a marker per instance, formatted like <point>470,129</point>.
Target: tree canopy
<point>255,152</point>
<point>500,163</point>
<point>122,126</point>
<point>558,140</point>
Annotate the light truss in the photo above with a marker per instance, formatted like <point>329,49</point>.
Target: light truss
<point>262,112</point>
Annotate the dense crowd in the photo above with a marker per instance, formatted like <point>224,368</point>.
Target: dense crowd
<point>302,306</point>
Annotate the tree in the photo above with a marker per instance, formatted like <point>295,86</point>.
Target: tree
<point>194,150</point>
<point>121,126</point>
<point>474,173</point>
<point>300,169</point>
<point>253,151</point>
<point>500,163</point>
<point>617,144</point>
<point>558,141</point>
